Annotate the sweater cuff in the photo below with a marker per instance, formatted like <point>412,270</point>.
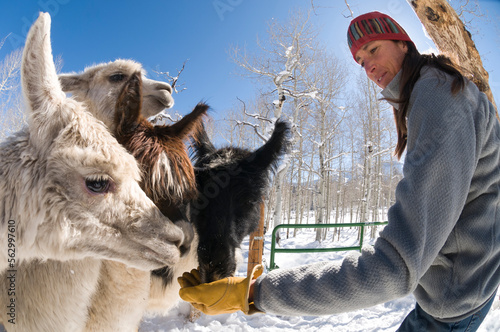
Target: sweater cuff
<point>256,293</point>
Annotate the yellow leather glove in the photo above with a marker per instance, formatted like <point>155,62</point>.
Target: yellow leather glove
<point>219,297</point>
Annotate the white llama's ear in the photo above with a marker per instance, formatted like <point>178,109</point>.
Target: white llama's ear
<point>73,82</point>
<point>41,88</point>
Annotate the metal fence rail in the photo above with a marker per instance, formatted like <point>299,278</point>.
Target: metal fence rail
<point>275,250</point>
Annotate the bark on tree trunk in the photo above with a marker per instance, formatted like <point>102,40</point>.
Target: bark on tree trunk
<point>453,40</point>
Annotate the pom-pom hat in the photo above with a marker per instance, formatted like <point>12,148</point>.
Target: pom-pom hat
<point>373,26</point>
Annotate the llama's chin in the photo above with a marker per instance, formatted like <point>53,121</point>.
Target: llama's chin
<point>155,259</point>
<point>143,257</point>
<point>150,260</point>
<point>172,258</point>
<point>154,104</point>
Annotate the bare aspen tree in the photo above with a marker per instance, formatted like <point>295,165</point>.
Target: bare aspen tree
<point>12,118</point>
<point>340,189</point>
<point>340,185</point>
<point>367,119</point>
<point>280,69</point>
<point>289,188</point>
<point>352,135</point>
<point>327,77</point>
<point>311,190</point>
<point>173,80</point>
<point>374,149</point>
<point>301,194</point>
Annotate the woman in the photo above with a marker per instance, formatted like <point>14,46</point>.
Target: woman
<point>442,242</point>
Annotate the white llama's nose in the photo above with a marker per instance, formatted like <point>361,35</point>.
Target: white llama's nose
<point>156,94</point>
<point>163,86</point>
<point>188,230</point>
<point>151,86</point>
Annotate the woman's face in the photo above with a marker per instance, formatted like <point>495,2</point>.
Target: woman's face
<point>382,60</point>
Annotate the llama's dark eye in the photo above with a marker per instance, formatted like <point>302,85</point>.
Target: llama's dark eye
<point>99,186</point>
<point>117,77</point>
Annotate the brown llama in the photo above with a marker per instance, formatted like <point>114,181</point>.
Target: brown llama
<point>170,181</point>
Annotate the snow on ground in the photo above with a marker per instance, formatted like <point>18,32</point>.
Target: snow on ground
<point>383,317</point>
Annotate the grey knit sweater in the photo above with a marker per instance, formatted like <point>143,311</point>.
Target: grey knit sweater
<point>443,238</point>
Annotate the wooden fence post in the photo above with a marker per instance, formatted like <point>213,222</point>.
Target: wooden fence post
<point>256,246</point>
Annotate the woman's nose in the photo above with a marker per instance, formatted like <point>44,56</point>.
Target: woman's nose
<point>370,68</point>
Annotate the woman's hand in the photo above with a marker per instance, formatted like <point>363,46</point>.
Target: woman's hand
<point>219,297</point>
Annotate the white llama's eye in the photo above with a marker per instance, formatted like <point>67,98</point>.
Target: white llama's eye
<point>97,186</point>
<point>118,77</point>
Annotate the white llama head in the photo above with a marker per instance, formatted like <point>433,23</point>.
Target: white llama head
<point>68,187</point>
<point>100,85</point>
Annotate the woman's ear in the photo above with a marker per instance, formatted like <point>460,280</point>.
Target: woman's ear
<point>404,45</point>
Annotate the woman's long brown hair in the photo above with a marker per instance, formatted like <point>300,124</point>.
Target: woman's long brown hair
<point>412,64</point>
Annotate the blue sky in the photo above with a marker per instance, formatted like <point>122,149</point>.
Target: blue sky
<point>163,34</point>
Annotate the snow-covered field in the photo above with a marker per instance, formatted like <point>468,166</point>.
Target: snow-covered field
<point>383,317</point>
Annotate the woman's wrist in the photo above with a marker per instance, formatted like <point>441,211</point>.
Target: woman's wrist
<point>250,291</point>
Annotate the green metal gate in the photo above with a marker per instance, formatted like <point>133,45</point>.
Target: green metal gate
<point>275,250</point>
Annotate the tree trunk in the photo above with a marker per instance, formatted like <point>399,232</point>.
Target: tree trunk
<point>299,210</point>
<point>338,196</point>
<point>367,184</point>
<point>453,40</point>
<point>290,199</point>
<point>278,200</point>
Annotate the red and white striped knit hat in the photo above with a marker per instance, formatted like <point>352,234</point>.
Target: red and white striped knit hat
<point>373,26</point>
